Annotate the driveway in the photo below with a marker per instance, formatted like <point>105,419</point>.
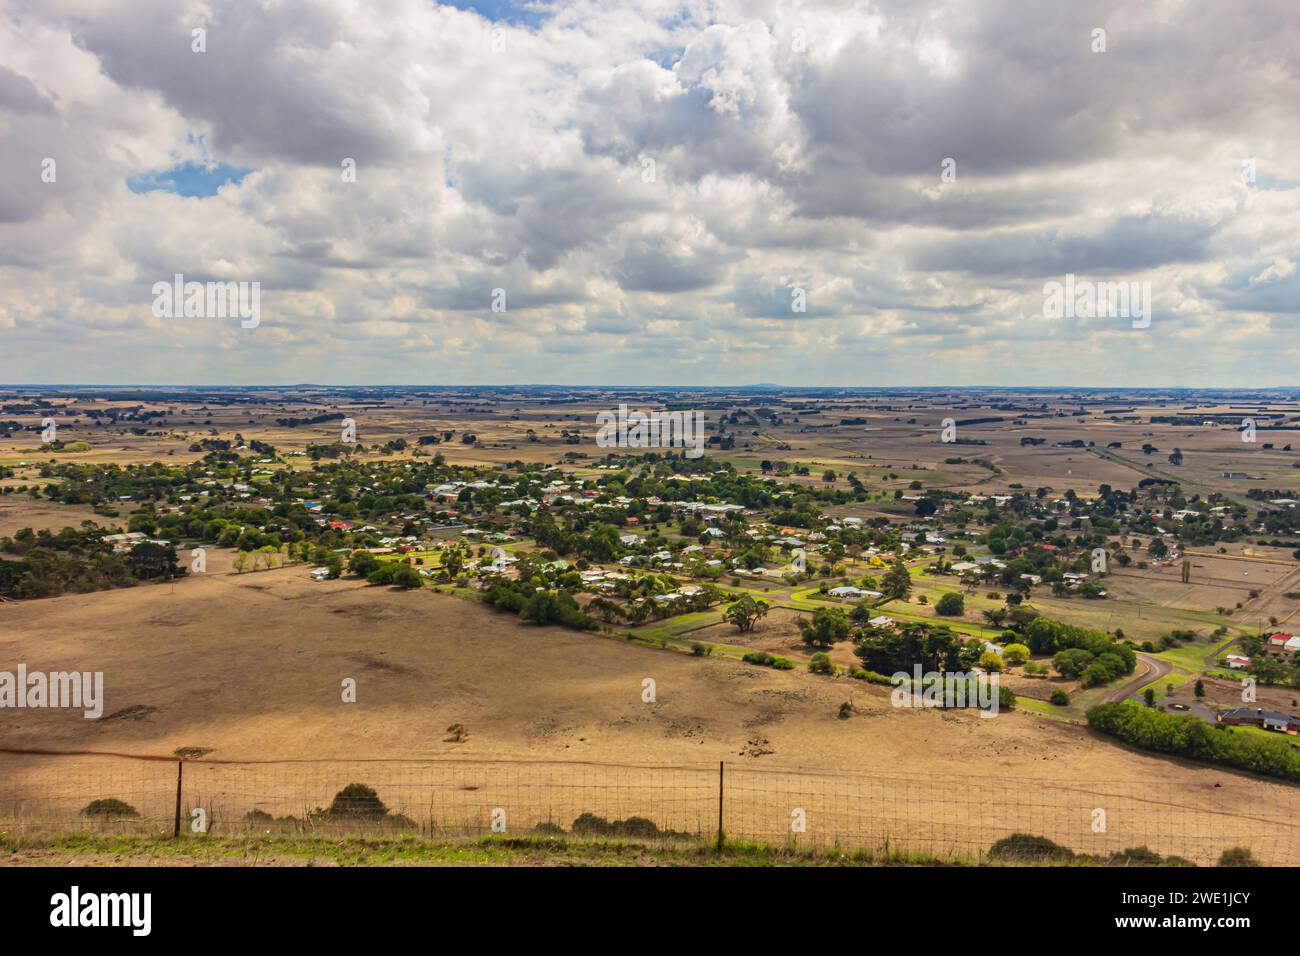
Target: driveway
<point>1155,669</point>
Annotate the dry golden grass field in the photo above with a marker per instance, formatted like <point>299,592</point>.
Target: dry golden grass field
<point>250,667</point>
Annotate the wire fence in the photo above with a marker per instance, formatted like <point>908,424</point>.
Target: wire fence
<point>930,815</point>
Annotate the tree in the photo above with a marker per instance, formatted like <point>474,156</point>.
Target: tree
<point>149,560</point>
<point>897,582</point>
<point>997,617</point>
<point>862,612</point>
<point>1015,654</point>
<point>406,577</point>
<point>607,610</point>
<point>827,626</point>
<point>951,604</point>
<point>1200,688</point>
<point>363,564</point>
<point>900,649</point>
<point>1070,663</point>
<point>745,613</point>
<point>601,544</point>
<point>991,661</point>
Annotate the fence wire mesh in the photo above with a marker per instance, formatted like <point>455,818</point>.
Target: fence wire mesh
<point>876,812</point>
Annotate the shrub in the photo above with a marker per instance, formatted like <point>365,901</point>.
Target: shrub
<point>1026,848</point>
<point>821,664</point>
<point>871,677</point>
<point>590,824</point>
<point>763,659</point>
<point>110,808</point>
<point>1238,856</point>
<point>1144,856</point>
<point>357,801</point>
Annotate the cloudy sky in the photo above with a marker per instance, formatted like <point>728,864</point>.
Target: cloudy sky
<point>652,185</point>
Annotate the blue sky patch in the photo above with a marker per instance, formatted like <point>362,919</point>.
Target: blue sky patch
<point>189,179</point>
<point>528,13</point>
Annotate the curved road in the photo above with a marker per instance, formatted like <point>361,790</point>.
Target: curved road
<point>1156,669</point>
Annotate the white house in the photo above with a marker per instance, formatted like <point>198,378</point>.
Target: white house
<point>847,591</point>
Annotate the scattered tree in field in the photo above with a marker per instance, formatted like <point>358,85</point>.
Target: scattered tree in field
<point>745,613</point>
<point>828,625</point>
<point>951,604</point>
<point>897,582</point>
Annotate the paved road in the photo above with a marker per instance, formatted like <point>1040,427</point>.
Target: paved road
<point>1156,669</point>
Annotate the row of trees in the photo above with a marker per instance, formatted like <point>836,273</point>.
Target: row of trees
<point>1186,736</point>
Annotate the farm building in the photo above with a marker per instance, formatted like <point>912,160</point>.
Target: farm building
<point>1255,717</point>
